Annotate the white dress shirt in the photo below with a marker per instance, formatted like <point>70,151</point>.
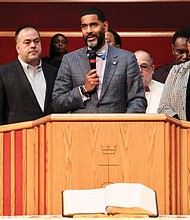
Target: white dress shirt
<point>153,96</point>
<point>37,80</point>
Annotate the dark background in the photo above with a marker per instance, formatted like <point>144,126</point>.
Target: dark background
<point>124,17</point>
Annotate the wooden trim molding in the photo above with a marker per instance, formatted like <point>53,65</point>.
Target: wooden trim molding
<point>78,34</point>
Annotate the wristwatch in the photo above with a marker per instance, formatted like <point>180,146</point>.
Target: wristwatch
<point>84,91</point>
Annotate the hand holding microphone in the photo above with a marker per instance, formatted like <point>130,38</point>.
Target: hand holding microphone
<point>92,59</point>
<point>92,78</point>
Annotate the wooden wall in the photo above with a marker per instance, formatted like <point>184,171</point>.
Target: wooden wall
<point>142,25</point>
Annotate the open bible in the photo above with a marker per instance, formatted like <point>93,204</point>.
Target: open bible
<point>126,199</point>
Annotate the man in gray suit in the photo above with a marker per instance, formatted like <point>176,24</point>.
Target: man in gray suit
<point>113,86</point>
<point>26,84</point>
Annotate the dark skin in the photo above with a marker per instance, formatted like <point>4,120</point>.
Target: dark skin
<point>60,46</point>
<point>180,51</point>
<point>93,31</point>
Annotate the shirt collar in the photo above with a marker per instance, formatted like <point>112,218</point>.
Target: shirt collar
<point>103,49</point>
<point>27,66</point>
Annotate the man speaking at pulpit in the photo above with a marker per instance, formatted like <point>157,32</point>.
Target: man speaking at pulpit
<point>113,83</point>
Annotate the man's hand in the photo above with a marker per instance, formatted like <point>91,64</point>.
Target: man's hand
<point>92,80</point>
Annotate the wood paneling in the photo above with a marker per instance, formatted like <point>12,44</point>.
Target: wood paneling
<point>66,151</point>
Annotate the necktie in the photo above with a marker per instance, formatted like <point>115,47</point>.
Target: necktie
<point>101,55</point>
<point>98,54</point>
<point>147,89</point>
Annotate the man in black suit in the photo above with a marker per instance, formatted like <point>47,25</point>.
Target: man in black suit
<point>26,84</point>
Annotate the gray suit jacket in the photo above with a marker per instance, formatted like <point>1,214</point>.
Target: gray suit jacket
<point>17,100</point>
<point>122,89</point>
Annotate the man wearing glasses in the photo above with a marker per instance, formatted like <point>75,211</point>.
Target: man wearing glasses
<point>153,89</point>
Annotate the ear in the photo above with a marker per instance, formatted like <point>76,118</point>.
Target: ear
<point>17,48</point>
<point>172,49</point>
<point>153,68</point>
<point>105,25</point>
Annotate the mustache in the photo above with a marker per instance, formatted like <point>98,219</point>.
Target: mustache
<point>90,35</point>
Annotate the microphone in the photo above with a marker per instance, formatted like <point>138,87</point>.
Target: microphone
<point>92,59</point>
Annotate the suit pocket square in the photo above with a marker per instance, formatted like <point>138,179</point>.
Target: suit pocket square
<point>114,62</point>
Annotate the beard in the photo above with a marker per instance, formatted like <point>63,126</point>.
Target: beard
<point>97,43</point>
<point>92,44</point>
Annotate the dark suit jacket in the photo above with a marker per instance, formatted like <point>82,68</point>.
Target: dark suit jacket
<point>161,72</point>
<point>18,102</point>
<point>122,89</point>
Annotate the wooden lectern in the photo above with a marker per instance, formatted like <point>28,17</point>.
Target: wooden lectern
<point>40,159</point>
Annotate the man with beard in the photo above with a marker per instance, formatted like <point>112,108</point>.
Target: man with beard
<point>114,86</point>
<point>26,84</point>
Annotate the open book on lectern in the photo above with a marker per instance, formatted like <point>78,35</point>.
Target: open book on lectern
<point>127,199</point>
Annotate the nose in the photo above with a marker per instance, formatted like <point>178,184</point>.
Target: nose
<point>33,44</point>
<point>185,55</point>
<point>89,29</point>
<point>140,69</point>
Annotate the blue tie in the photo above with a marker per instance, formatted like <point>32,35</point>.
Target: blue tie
<point>101,55</point>
<point>98,54</point>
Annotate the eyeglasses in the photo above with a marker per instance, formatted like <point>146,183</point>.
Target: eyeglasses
<point>144,66</point>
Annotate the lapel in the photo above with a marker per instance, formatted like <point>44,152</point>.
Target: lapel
<point>85,65</point>
<point>83,62</point>
<point>21,76</point>
<point>48,87</point>
<point>111,64</point>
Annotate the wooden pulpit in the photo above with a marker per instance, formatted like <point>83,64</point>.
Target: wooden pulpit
<point>39,159</point>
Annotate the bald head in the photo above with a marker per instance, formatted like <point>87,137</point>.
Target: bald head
<point>145,62</point>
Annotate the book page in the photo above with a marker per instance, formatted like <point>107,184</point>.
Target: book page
<point>83,201</point>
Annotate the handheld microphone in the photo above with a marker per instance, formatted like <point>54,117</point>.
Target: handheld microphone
<point>92,59</point>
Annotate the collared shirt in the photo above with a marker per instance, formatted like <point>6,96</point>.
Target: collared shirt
<point>37,81</point>
<point>153,96</point>
<point>100,66</point>
<point>173,100</point>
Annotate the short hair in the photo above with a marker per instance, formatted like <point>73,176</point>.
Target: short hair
<point>149,55</point>
<point>184,33</point>
<point>96,11</point>
<point>19,29</point>
<point>52,48</point>
<point>116,36</point>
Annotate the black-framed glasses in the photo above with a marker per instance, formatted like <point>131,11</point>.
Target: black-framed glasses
<point>144,66</point>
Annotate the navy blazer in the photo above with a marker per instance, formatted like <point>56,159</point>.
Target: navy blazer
<point>122,88</point>
<point>18,102</point>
